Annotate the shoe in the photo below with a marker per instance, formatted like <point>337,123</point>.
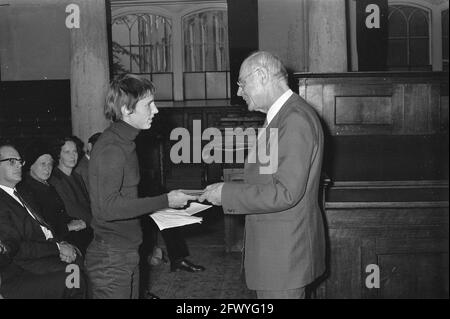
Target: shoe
<point>149,295</point>
<point>185,265</point>
<point>157,258</point>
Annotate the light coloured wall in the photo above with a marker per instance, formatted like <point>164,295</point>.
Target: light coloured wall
<point>282,31</point>
<point>34,42</point>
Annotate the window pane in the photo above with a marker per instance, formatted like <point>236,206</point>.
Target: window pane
<point>121,33</point>
<point>445,48</point>
<point>397,24</point>
<point>121,59</point>
<point>445,35</point>
<point>445,23</point>
<point>163,83</point>
<point>151,48</point>
<point>206,41</point>
<point>134,33</point>
<point>408,42</point>
<point>216,85</point>
<point>407,10</point>
<point>418,24</point>
<point>194,86</point>
<point>397,53</point>
<point>135,60</point>
<point>419,52</point>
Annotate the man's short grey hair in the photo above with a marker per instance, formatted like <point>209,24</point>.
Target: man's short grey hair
<point>268,61</point>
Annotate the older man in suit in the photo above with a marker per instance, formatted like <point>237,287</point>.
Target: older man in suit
<point>284,230</point>
<point>36,264</point>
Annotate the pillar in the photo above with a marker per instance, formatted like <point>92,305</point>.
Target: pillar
<point>327,36</point>
<point>89,69</point>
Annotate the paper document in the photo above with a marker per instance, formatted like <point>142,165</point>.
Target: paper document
<point>194,192</point>
<point>168,218</point>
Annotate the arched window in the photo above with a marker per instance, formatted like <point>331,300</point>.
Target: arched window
<point>409,38</point>
<point>206,61</point>
<point>142,44</point>
<point>444,22</point>
<point>206,41</point>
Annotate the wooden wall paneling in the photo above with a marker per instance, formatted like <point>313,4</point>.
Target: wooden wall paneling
<point>443,114</point>
<point>443,107</point>
<point>413,267</point>
<point>417,109</point>
<point>418,102</point>
<point>344,280</point>
<point>313,93</point>
<point>434,101</point>
<point>409,244</point>
<point>365,109</point>
<point>368,257</point>
<point>328,92</point>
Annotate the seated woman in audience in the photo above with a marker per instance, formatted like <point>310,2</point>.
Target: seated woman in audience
<point>70,186</point>
<point>35,182</point>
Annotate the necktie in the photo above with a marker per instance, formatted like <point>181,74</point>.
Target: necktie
<point>36,216</point>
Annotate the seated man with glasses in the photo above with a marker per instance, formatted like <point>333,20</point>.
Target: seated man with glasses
<point>36,260</point>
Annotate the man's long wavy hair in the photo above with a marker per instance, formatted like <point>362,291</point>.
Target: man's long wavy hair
<point>126,90</point>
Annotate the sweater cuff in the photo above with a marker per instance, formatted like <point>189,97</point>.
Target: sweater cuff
<point>165,200</point>
<point>159,202</point>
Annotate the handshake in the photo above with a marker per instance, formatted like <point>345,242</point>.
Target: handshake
<point>212,194</point>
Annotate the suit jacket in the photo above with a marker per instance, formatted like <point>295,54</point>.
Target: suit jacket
<point>48,202</point>
<point>284,230</point>
<point>73,193</point>
<point>28,247</point>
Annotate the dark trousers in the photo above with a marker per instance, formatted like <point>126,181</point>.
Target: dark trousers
<point>173,238</point>
<point>176,245</point>
<point>52,285</point>
<point>81,239</point>
<point>113,272</point>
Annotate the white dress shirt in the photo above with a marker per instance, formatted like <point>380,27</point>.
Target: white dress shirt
<point>276,106</point>
<point>274,109</point>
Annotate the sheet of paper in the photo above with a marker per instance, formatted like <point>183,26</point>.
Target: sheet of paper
<point>195,208</point>
<point>169,218</point>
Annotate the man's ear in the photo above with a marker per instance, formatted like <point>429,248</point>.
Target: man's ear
<point>263,75</point>
<point>125,111</point>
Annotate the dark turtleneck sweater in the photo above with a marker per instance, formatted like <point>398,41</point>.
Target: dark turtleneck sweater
<point>113,179</point>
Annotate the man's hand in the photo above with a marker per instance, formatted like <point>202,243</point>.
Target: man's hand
<point>213,194</point>
<point>3,248</point>
<point>76,225</point>
<point>67,252</point>
<point>179,199</point>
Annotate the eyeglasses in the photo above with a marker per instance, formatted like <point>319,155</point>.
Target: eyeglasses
<point>14,161</point>
<point>240,82</point>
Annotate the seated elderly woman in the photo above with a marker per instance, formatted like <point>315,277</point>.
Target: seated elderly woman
<point>70,186</point>
<point>35,182</point>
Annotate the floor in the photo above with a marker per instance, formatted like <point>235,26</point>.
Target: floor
<point>222,278</point>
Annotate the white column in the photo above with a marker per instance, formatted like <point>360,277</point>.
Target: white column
<point>89,69</point>
<point>327,36</point>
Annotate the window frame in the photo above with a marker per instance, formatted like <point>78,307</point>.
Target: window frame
<point>435,35</point>
<point>174,10</point>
